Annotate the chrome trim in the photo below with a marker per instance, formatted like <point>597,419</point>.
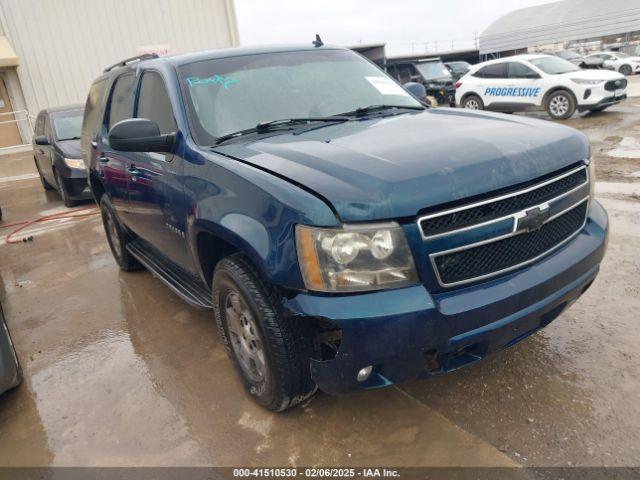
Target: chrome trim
<point>433,256</point>
<point>497,199</point>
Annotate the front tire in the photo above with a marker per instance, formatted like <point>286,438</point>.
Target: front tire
<point>62,191</point>
<point>625,70</point>
<point>561,105</point>
<point>270,353</point>
<point>117,237</point>
<point>473,102</point>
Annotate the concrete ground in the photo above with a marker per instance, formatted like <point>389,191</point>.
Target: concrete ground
<point>119,371</point>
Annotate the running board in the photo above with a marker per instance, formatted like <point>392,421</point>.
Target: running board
<point>185,285</point>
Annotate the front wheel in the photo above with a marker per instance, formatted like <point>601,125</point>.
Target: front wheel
<point>561,105</point>
<point>271,353</point>
<point>473,102</point>
<point>62,191</point>
<point>626,70</point>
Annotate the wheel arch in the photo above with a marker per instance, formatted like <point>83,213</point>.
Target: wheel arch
<point>555,89</point>
<point>469,94</point>
<point>97,188</point>
<point>211,242</point>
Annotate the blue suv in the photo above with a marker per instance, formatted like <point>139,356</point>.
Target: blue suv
<point>345,236</point>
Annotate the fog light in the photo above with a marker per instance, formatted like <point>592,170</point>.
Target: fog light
<point>364,373</point>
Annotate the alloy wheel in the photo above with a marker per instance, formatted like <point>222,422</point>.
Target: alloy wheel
<point>244,338</point>
<point>559,105</point>
<point>472,104</point>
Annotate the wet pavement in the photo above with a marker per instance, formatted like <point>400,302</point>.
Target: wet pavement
<point>119,371</point>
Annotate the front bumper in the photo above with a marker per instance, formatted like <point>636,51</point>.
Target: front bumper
<point>604,102</point>
<point>75,182</point>
<point>408,332</point>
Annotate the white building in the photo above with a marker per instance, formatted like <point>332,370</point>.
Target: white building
<point>50,51</point>
<point>577,24</point>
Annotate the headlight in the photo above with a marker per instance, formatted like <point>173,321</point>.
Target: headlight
<point>74,162</point>
<point>584,81</point>
<point>349,259</point>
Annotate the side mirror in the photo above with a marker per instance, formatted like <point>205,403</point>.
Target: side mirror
<point>140,135</point>
<point>41,140</point>
<point>416,89</point>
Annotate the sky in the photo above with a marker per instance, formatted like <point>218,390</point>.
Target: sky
<point>407,26</point>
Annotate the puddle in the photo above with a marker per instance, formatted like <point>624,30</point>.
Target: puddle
<point>99,402</point>
<point>618,188</point>
<point>627,148</point>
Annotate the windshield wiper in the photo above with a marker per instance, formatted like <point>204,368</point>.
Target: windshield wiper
<point>264,127</point>
<point>363,111</point>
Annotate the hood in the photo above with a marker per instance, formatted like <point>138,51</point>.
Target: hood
<point>594,75</point>
<point>633,59</point>
<point>70,148</point>
<point>397,166</point>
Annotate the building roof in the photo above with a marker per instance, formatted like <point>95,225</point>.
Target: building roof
<point>560,22</point>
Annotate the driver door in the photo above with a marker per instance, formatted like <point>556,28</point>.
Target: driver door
<point>156,205</point>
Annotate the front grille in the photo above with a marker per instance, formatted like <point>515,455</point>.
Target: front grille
<point>443,223</point>
<point>509,253</point>
<point>613,85</point>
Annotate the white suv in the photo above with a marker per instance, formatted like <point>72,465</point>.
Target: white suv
<point>539,82</point>
<point>618,61</point>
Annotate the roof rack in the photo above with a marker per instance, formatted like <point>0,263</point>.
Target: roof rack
<point>126,61</point>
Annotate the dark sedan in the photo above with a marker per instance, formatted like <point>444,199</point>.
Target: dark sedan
<point>56,150</point>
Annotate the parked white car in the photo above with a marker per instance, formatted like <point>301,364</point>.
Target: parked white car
<point>539,82</point>
<point>620,62</point>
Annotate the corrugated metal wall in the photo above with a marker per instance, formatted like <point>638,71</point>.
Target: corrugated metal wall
<point>560,22</point>
<point>63,45</point>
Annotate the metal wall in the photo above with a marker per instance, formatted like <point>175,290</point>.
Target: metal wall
<point>560,22</point>
<point>63,45</point>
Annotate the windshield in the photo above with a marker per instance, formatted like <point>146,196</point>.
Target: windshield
<point>459,66</point>
<point>67,125</point>
<point>554,65</point>
<point>433,70</point>
<point>231,94</point>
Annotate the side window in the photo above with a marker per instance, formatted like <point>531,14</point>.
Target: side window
<point>92,110</point>
<point>121,99</point>
<point>496,70</point>
<point>154,104</point>
<point>518,70</point>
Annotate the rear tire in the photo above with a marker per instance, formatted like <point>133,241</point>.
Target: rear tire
<point>473,102</point>
<point>625,70</point>
<point>561,105</point>
<point>117,237</point>
<point>270,353</point>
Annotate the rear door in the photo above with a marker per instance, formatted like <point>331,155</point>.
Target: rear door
<point>113,164</point>
<point>156,204</point>
<point>493,84</point>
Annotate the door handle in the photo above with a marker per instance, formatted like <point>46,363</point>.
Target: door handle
<point>103,159</point>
